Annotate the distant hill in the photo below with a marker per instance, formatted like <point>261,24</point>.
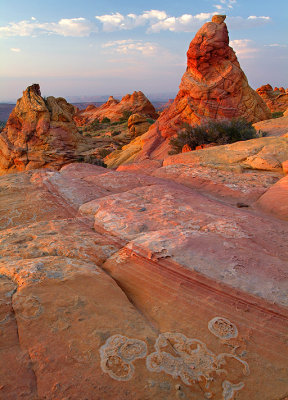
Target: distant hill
<point>6,108</point>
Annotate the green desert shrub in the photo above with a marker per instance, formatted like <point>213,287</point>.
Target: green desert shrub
<point>125,116</point>
<point>277,114</point>
<point>104,152</point>
<point>91,159</point>
<point>106,120</point>
<point>115,133</point>
<point>218,132</point>
<point>150,120</point>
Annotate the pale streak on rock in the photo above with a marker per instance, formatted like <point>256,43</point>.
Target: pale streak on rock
<point>117,356</point>
<point>190,360</point>
<point>222,328</point>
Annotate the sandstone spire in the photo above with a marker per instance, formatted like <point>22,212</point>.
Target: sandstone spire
<point>214,87</point>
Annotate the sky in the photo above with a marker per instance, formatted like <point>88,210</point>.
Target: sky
<point>92,48</point>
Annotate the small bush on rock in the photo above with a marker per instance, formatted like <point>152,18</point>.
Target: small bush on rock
<point>91,159</point>
<point>125,116</point>
<point>216,132</point>
<point>106,120</point>
<point>277,114</point>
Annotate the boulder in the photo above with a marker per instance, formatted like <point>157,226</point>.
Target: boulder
<point>137,125</point>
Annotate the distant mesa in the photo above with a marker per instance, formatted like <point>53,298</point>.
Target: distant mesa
<point>39,133</point>
<point>276,99</point>
<point>135,103</point>
<point>214,87</point>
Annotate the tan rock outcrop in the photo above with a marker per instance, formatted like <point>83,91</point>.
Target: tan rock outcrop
<point>39,133</point>
<point>114,109</point>
<point>274,126</point>
<point>137,125</point>
<point>266,153</point>
<point>276,100</point>
<point>214,87</point>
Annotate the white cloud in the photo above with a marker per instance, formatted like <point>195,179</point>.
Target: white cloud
<point>244,23</point>
<point>275,45</point>
<point>243,47</point>
<point>153,20</point>
<point>228,3</point>
<point>77,27</point>
<point>15,50</point>
<point>258,18</point>
<point>184,23</point>
<point>218,6</point>
<point>131,46</point>
<point>116,21</point>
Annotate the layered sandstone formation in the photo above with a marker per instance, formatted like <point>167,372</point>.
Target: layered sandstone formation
<point>114,109</point>
<point>39,133</point>
<point>119,285</point>
<point>214,87</point>
<point>276,99</point>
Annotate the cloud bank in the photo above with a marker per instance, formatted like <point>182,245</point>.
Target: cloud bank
<point>153,21</point>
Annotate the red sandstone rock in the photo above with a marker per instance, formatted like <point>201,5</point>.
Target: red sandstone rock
<point>113,109</point>
<point>214,87</point>
<point>285,167</point>
<point>186,148</point>
<point>276,100</point>
<point>39,133</point>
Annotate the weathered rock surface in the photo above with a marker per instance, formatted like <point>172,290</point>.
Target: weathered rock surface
<point>275,200</point>
<point>119,285</point>
<point>39,133</point>
<point>214,87</point>
<point>265,153</point>
<point>276,100</point>
<point>114,109</point>
<point>274,127</point>
<point>242,187</point>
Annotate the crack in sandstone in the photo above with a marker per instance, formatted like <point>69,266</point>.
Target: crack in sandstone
<point>33,385</point>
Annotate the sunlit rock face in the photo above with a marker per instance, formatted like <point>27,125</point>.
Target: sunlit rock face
<point>123,285</point>
<point>276,99</point>
<point>39,133</point>
<point>214,87</point>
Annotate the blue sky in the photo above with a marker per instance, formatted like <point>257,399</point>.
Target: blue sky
<point>86,48</point>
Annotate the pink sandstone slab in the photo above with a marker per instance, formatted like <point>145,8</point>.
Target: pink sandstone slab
<point>155,291</point>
